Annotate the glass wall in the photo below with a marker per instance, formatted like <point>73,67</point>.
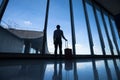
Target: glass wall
<point>107,48</point>
<point>30,15</point>
<point>110,33</point>
<point>116,32</point>
<point>82,43</point>
<point>61,16</point>
<point>25,14</point>
<point>93,26</point>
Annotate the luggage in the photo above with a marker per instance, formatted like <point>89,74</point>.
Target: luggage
<point>67,51</point>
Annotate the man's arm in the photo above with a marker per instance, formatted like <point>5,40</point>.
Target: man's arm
<point>63,36</point>
<point>54,37</point>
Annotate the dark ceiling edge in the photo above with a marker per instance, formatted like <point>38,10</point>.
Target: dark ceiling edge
<point>117,19</point>
<point>114,16</point>
<point>102,7</point>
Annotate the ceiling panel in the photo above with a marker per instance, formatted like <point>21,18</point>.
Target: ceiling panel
<point>112,6</point>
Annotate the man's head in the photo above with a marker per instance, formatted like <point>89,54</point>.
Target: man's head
<point>58,26</point>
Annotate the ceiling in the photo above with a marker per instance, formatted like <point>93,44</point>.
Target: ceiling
<point>113,6</point>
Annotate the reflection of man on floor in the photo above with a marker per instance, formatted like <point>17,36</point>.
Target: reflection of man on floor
<point>57,75</point>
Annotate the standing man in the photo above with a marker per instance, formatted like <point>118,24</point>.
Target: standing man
<point>57,38</point>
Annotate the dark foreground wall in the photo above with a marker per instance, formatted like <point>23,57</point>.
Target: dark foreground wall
<point>9,42</point>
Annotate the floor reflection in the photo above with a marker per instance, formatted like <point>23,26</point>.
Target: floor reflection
<point>105,69</point>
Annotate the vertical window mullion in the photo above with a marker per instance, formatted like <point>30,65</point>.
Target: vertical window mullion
<point>72,27</point>
<point>3,7</point>
<point>45,28</point>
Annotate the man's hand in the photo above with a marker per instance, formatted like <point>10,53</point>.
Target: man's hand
<point>66,40</point>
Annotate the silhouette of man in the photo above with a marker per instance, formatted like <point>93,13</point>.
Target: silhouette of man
<point>57,37</point>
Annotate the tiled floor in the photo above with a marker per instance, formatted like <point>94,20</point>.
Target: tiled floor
<point>83,69</point>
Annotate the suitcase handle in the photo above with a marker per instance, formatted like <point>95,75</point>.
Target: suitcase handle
<point>66,44</point>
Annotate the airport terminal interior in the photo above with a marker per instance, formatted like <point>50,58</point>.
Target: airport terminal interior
<point>90,51</point>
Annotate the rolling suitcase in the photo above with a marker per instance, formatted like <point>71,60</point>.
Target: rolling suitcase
<point>67,51</point>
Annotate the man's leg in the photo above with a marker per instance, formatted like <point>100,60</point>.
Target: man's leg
<point>60,49</point>
<point>55,52</point>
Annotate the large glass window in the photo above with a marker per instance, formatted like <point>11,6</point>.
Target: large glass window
<point>30,15</point>
<point>82,43</point>
<point>93,26</point>
<point>109,31</point>
<point>107,49</point>
<point>25,14</point>
<point>116,33</point>
<point>59,14</point>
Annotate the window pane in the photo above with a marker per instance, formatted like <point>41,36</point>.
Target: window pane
<point>95,36</point>
<point>25,14</point>
<point>116,33</point>
<point>82,43</point>
<point>22,16</point>
<point>59,14</point>
<point>110,34</point>
<point>107,49</point>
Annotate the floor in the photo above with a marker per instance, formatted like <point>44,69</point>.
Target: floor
<point>57,69</point>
